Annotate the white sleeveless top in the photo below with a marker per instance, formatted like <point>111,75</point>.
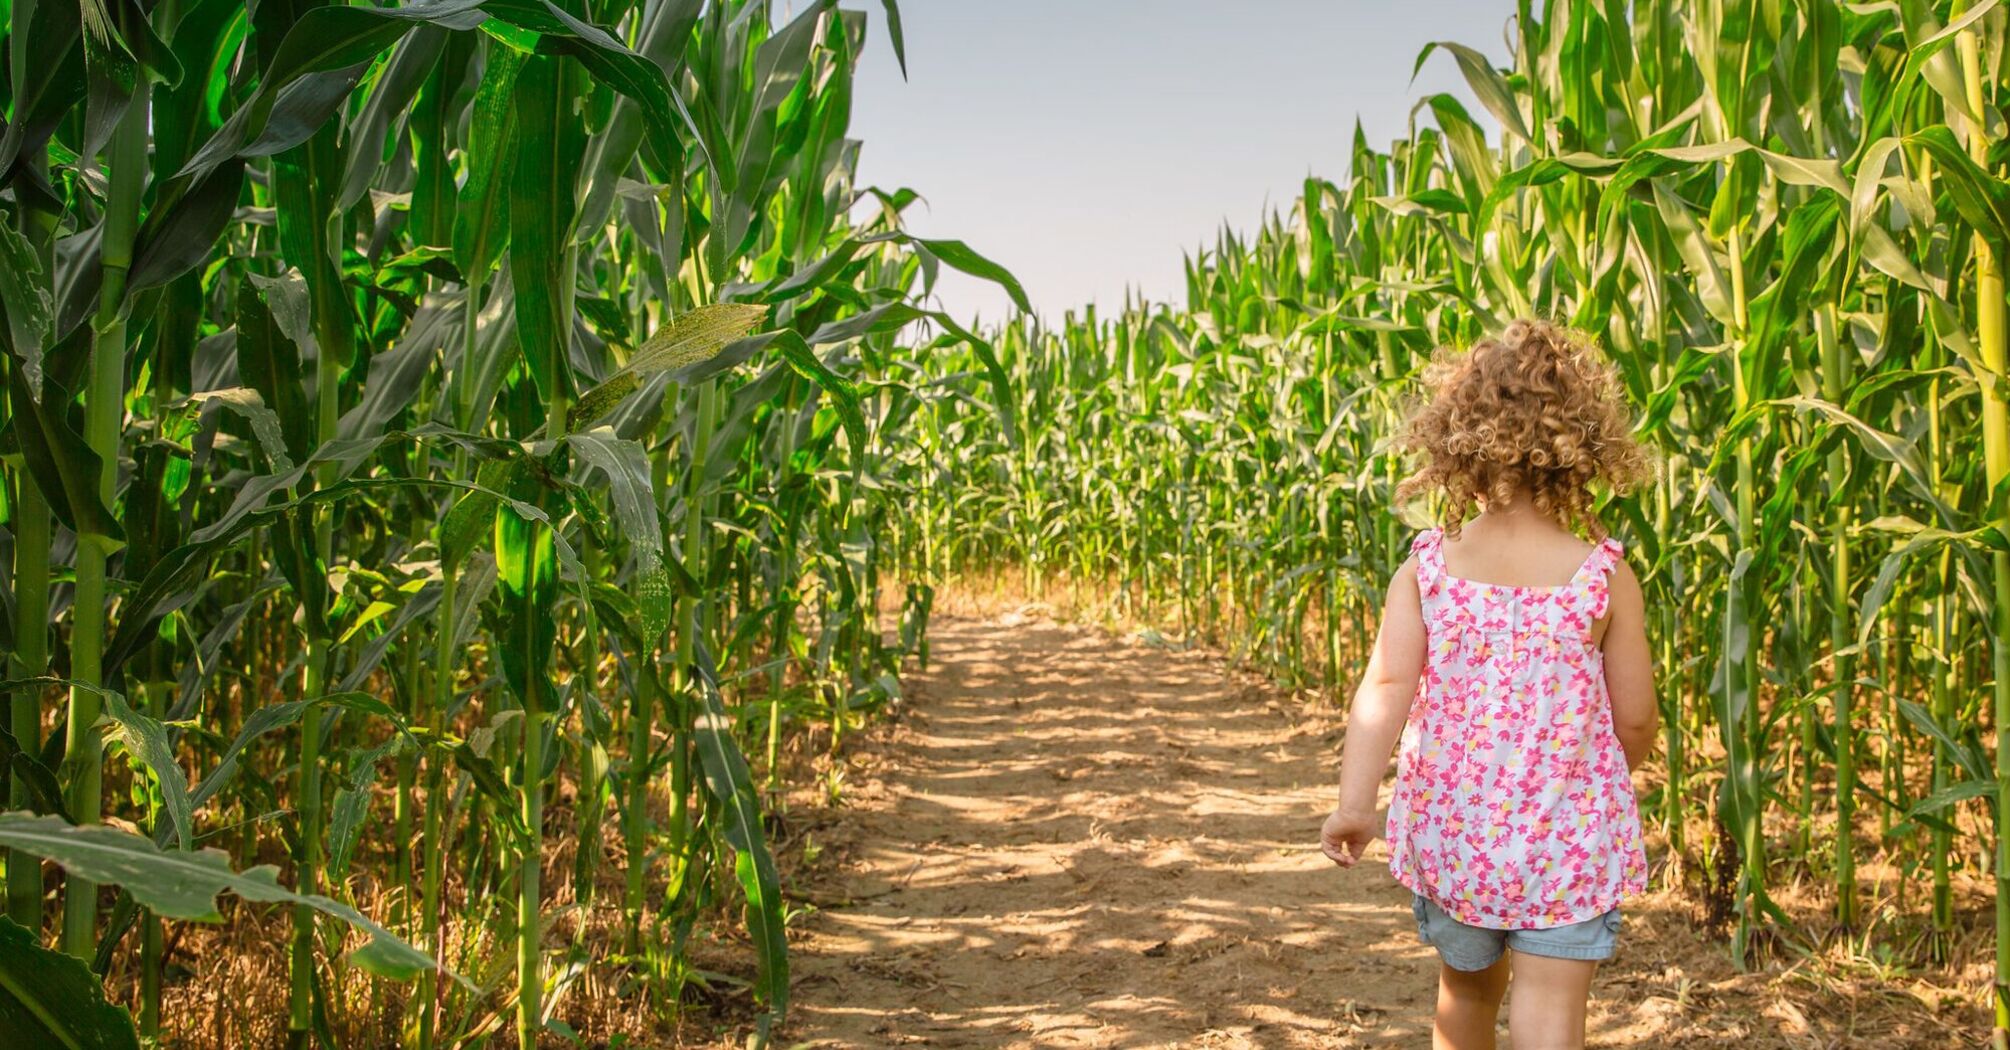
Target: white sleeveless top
<point>1513,807</point>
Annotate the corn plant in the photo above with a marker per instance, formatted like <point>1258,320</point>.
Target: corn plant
<point>456,399</point>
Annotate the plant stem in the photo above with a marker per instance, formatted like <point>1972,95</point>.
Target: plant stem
<point>1989,324</point>
<point>104,409</point>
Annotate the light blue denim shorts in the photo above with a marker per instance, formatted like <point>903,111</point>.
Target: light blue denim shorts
<point>1474,948</point>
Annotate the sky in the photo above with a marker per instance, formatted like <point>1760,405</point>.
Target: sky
<point>1090,145</point>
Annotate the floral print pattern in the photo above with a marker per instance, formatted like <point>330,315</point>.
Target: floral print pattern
<point>1513,807</point>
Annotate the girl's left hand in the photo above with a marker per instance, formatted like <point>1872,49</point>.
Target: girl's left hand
<point>1345,835</point>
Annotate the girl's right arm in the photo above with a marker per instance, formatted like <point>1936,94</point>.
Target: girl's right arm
<point>1381,706</point>
<point>1629,668</point>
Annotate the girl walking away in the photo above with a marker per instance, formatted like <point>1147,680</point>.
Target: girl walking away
<point>1512,660</point>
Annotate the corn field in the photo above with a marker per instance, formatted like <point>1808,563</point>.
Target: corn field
<point>437,433</point>
<point>417,417</point>
<point>1785,221</point>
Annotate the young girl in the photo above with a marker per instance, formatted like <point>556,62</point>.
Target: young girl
<point>1513,661</point>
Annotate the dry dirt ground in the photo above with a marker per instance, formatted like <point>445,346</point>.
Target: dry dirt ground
<point>1070,839</point>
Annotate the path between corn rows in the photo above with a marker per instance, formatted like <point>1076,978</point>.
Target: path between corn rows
<point>1076,840</point>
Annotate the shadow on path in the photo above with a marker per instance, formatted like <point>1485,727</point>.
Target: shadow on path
<point>1078,842</point>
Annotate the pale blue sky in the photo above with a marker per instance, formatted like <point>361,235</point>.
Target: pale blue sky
<point>1087,145</point>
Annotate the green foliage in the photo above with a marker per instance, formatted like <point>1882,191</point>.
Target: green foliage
<point>51,999</point>
<point>181,884</point>
<point>450,368</point>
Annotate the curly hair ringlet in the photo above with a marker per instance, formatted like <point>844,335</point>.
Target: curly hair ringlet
<point>1537,410</point>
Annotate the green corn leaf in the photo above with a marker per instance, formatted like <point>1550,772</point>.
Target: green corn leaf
<point>266,425</point>
<point>808,278</point>
<point>1712,287</point>
<point>527,580</point>
<point>26,299</point>
<point>1811,243</point>
<point>1542,172</point>
<point>390,100</point>
<point>543,205</point>
<point>1005,401</point>
<point>896,36</point>
<point>1982,199</point>
<point>1823,172</point>
<point>146,743</point>
<point>883,319</point>
<point>731,786</point>
<point>312,71</point>
<point>272,327</point>
<point>255,507</point>
<point>960,256</point>
<point>181,230</point>
<point>1971,760</point>
<point>45,792</point>
<point>843,395</point>
<point>352,807</point>
<point>1927,57</point>
<point>64,467</point>
<point>612,63</point>
<point>113,72</point>
<point>1892,448</point>
<point>626,466</point>
<point>468,522</point>
<point>50,999</point>
<point>185,885</point>
<point>1962,792</point>
<point>278,716</point>
<point>42,91</point>
<point>488,779</point>
<point>1486,82</point>
<point>481,216</point>
<point>328,38</point>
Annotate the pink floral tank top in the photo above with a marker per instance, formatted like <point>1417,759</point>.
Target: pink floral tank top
<point>1513,808</point>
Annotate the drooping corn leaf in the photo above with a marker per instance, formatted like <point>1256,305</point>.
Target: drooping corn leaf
<point>146,743</point>
<point>731,786</point>
<point>50,1000</point>
<point>27,301</point>
<point>626,466</point>
<point>180,884</point>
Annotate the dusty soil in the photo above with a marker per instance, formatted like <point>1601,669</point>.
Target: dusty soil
<point>1071,839</point>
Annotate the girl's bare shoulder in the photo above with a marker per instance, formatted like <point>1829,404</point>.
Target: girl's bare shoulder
<point>1523,558</point>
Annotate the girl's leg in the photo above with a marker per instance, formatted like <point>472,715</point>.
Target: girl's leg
<point>1549,1001</point>
<point>1469,1006</point>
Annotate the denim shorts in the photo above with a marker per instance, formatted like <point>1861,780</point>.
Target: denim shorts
<point>1474,948</point>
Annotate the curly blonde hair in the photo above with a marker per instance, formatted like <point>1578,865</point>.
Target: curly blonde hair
<point>1538,409</point>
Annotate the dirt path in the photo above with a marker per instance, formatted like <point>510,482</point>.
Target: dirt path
<point>1079,842</point>
<point>1071,840</point>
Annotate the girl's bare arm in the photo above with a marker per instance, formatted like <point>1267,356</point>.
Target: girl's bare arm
<point>1629,668</point>
<point>1381,706</point>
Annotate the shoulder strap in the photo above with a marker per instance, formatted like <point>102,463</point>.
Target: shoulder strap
<point>1429,547</point>
<point>1594,575</point>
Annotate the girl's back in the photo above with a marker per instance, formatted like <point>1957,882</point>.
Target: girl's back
<point>1512,808</point>
<point>1512,673</point>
